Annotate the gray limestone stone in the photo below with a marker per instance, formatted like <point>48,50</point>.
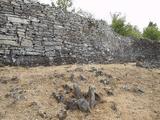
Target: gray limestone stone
<point>83,105</point>
<point>43,30</point>
<point>18,20</point>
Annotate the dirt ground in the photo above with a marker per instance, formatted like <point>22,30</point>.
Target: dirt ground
<point>130,93</point>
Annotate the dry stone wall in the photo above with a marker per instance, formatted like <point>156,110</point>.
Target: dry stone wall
<point>36,34</point>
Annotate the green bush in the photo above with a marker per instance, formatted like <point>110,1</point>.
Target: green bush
<point>133,31</point>
<point>151,32</point>
<point>63,4</point>
<point>119,25</point>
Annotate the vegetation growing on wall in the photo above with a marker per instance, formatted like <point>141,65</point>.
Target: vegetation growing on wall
<point>151,31</point>
<point>63,4</point>
<point>120,26</point>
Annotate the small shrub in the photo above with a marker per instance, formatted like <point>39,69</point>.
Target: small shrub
<point>63,4</point>
<point>151,32</point>
<point>119,25</point>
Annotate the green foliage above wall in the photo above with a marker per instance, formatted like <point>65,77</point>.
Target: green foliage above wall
<point>151,32</point>
<point>119,25</point>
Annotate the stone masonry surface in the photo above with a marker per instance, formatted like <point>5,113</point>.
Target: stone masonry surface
<point>34,34</point>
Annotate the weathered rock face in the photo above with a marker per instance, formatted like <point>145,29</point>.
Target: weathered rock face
<point>37,34</point>
<point>147,52</point>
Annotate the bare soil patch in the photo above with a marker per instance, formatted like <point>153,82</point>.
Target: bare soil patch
<point>127,92</point>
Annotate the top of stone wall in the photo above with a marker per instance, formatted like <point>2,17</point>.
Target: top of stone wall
<point>34,34</point>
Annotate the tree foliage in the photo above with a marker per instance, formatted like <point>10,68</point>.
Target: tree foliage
<point>63,4</point>
<point>119,25</point>
<point>151,31</point>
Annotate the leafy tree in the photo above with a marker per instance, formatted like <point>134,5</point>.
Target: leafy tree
<point>133,31</point>
<point>119,25</point>
<point>63,4</point>
<point>151,31</point>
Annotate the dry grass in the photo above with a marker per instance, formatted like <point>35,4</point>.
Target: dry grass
<point>38,83</point>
